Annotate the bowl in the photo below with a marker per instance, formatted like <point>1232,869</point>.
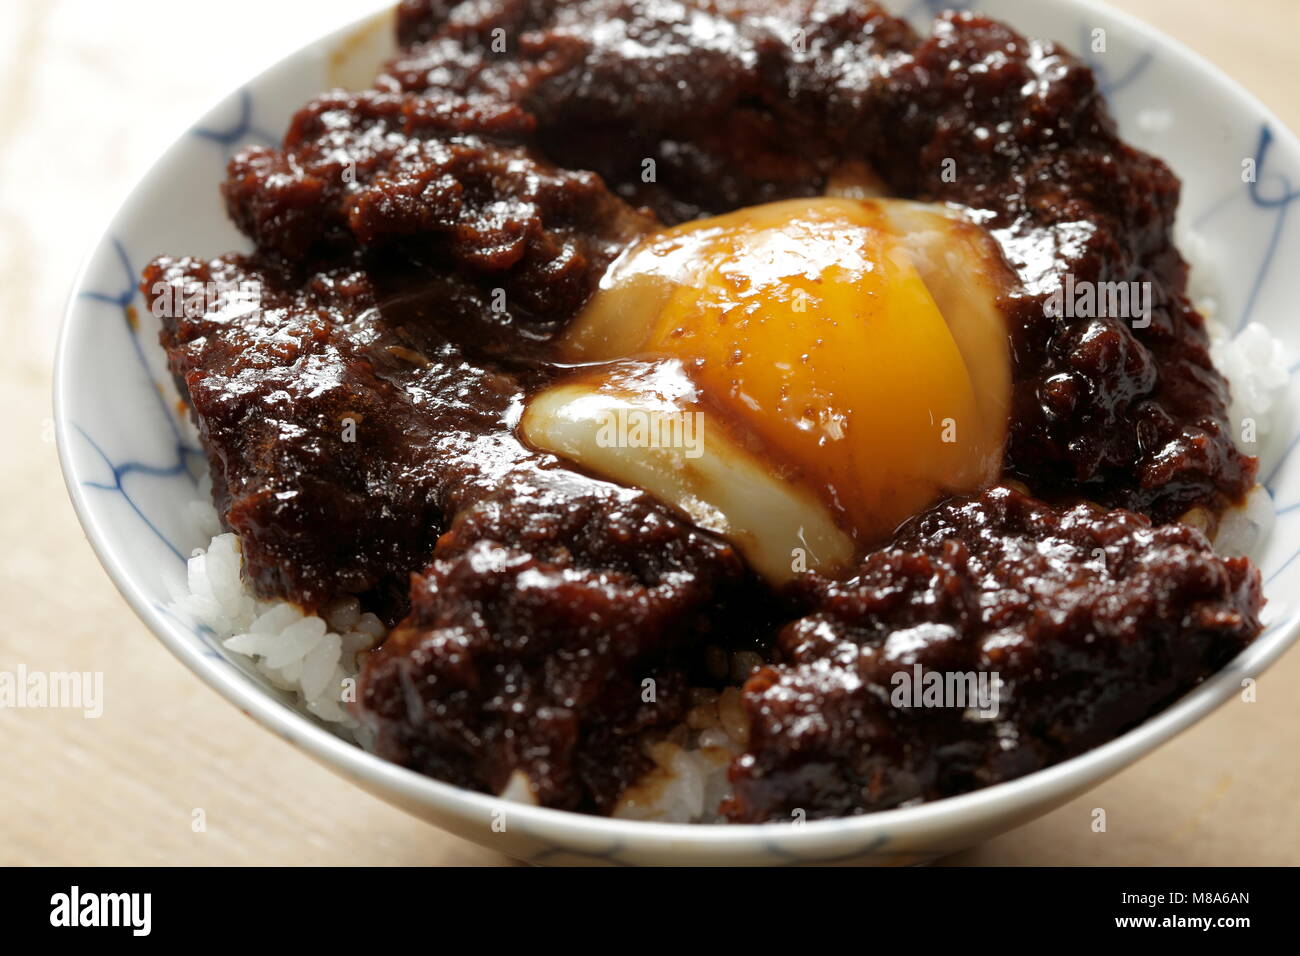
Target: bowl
<point>131,467</point>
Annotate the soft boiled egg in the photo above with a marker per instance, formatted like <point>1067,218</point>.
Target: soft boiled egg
<point>799,377</point>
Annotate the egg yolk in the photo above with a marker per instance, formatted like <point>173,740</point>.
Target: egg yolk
<point>852,351</point>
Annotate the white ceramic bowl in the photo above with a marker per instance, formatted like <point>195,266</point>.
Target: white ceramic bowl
<point>129,468</point>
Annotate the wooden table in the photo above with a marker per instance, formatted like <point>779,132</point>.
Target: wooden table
<point>122,789</point>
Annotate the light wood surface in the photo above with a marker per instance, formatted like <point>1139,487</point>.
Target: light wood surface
<point>125,78</point>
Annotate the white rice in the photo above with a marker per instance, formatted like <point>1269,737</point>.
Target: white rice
<point>689,779</point>
<point>1257,366</point>
<point>315,659</point>
<point>1254,361</point>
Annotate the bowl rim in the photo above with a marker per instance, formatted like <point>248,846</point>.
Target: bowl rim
<point>1068,777</point>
